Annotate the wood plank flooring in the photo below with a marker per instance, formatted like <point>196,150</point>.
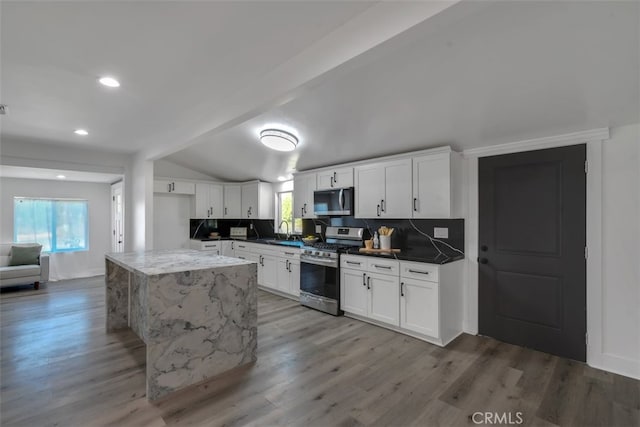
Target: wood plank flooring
<point>60,368</point>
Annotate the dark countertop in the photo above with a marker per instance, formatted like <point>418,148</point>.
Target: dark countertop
<point>429,258</point>
<point>264,241</point>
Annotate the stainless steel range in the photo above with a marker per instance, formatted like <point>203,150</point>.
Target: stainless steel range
<point>320,269</point>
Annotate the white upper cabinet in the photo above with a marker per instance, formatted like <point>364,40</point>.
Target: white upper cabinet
<point>383,189</point>
<point>334,178</point>
<point>232,201</point>
<point>208,200</point>
<point>436,186</point>
<point>303,187</point>
<point>171,186</point>
<point>257,201</point>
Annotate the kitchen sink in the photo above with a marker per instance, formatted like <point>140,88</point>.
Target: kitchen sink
<point>291,243</point>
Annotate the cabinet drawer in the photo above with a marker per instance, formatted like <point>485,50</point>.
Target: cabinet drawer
<point>353,262</point>
<point>419,271</point>
<point>289,253</point>
<point>210,246</point>
<point>383,266</point>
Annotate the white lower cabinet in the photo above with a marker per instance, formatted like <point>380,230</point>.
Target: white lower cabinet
<point>371,295</point>
<point>288,276</point>
<point>228,248</point>
<point>417,299</point>
<point>384,298</point>
<point>213,246</point>
<point>419,307</point>
<point>268,264</point>
<point>354,293</point>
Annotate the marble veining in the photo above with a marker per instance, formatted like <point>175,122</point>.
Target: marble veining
<point>197,323</point>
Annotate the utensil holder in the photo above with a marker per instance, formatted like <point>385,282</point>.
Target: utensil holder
<point>385,242</point>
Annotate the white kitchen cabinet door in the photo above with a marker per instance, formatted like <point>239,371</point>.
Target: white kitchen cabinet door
<point>353,292</point>
<point>303,187</point>
<point>172,186</point>
<point>249,197</point>
<point>432,186</point>
<point>202,206</point>
<point>227,248</point>
<point>384,298</point>
<point>283,282</point>
<point>397,198</point>
<point>294,273</point>
<point>369,189</point>
<point>335,178</point>
<point>208,200</point>
<point>232,201</point>
<point>419,307</point>
<point>269,267</point>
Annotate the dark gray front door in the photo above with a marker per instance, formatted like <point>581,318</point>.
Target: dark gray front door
<point>532,238</point>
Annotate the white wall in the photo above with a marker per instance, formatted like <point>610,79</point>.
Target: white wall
<point>72,264</point>
<point>613,268</point>
<point>166,168</point>
<point>171,214</point>
<point>620,344</point>
<point>141,190</point>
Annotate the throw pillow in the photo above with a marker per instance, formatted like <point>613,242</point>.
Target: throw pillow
<point>25,255</point>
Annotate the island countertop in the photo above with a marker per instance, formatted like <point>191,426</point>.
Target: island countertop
<point>196,312</point>
<point>171,261</point>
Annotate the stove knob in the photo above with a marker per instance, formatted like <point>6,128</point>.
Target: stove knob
<point>327,254</point>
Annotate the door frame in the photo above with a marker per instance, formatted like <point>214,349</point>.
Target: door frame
<point>114,186</point>
<point>593,139</point>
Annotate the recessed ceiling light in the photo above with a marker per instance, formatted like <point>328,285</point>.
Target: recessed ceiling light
<point>60,176</point>
<point>109,81</point>
<point>285,177</point>
<point>81,132</point>
<point>279,140</point>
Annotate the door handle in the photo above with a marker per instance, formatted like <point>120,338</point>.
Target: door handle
<point>364,279</point>
<point>415,200</point>
<point>368,282</point>
<point>417,271</point>
<point>341,199</point>
<point>387,267</point>
<point>335,178</point>
<point>173,186</point>
<point>382,205</point>
<point>302,212</point>
<point>287,265</point>
<point>401,289</point>
<point>483,261</point>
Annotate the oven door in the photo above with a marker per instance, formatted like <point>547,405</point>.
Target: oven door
<point>319,278</point>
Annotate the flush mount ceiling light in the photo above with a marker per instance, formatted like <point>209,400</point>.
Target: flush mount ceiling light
<point>279,140</point>
<point>60,176</point>
<point>81,132</point>
<point>288,177</point>
<point>109,81</point>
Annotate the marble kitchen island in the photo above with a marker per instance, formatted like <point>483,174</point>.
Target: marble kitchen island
<point>196,313</point>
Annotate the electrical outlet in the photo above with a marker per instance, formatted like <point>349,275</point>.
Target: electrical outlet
<point>441,232</point>
<point>251,226</point>
<point>318,229</point>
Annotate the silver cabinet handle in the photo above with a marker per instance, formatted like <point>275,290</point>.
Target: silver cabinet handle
<point>401,289</point>
<point>417,271</point>
<point>341,199</point>
<point>386,267</point>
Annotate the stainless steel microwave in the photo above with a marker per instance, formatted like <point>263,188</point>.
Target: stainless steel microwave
<point>337,201</point>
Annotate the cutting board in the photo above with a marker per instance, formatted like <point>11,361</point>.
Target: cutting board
<point>379,251</point>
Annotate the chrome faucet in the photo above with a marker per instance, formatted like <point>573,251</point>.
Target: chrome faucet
<point>280,226</point>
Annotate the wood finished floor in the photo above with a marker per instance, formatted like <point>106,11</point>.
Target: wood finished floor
<point>60,368</point>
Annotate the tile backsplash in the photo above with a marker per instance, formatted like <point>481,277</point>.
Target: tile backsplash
<point>407,234</point>
<point>261,227</point>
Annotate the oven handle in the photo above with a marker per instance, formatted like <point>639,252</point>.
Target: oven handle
<point>329,263</point>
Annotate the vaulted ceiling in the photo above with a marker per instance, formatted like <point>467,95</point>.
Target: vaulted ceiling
<point>355,79</point>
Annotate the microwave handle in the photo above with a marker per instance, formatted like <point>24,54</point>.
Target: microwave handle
<point>341,197</point>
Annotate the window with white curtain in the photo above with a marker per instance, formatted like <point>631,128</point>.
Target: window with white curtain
<point>59,225</point>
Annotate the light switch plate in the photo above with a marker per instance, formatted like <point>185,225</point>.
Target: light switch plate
<point>318,229</point>
<point>441,232</point>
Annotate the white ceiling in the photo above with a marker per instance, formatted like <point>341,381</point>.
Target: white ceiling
<point>208,75</point>
<point>52,174</point>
